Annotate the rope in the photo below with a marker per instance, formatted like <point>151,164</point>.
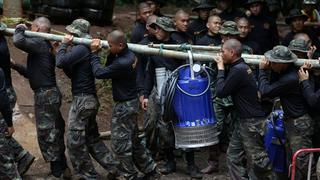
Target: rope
<point>161,49</point>
<point>185,47</point>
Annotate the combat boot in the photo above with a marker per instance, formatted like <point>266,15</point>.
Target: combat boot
<point>194,172</point>
<point>24,163</point>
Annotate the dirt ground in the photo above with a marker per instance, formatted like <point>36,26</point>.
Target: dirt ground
<point>24,116</point>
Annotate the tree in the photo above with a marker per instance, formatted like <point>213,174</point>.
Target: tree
<point>12,8</point>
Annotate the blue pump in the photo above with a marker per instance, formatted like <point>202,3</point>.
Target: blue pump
<point>274,141</point>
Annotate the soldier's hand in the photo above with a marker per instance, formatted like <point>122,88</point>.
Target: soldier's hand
<point>303,74</point>
<point>22,26</point>
<point>264,64</point>
<point>144,104</point>
<point>306,65</point>
<point>141,98</point>
<point>10,131</point>
<point>67,39</point>
<point>311,51</point>
<point>95,45</point>
<point>219,61</point>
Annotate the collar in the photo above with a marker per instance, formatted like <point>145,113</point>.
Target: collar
<point>238,61</point>
<point>123,52</point>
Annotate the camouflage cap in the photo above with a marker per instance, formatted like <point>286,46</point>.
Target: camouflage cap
<point>164,23</point>
<point>299,45</point>
<point>79,27</point>
<point>229,27</point>
<point>280,54</point>
<point>313,2</point>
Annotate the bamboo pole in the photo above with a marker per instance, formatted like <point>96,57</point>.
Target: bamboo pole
<point>144,49</point>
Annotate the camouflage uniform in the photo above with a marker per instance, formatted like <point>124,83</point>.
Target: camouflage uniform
<point>11,150</point>
<point>246,144</point>
<point>151,119</point>
<point>16,148</point>
<point>50,124</point>
<point>83,138</point>
<point>8,168</point>
<point>125,140</point>
<point>299,133</point>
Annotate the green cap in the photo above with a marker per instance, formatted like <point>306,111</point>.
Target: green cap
<point>299,45</point>
<point>229,27</point>
<point>164,23</point>
<point>280,54</point>
<point>79,27</point>
<point>313,2</point>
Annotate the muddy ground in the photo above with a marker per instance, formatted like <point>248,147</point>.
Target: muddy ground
<point>24,118</point>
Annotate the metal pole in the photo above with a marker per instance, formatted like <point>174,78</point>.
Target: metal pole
<point>309,166</point>
<point>191,64</point>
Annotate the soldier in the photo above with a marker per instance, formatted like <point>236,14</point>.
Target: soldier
<point>212,38</point>
<point>149,123</point>
<point>244,28</point>
<point>164,27</point>
<point>229,12</point>
<point>22,157</point>
<point>296,19</point>
<point>156,6</point>
<point>181,22</point>
<point>8,169</point>
<point>40,71</point>
<point>239,82</point>
<point>139,30</point>
<point>298,123</point>
<point>121,69</point>
<point>198,27</point>
<point>264,29</point>
<point>310,88</point>
<point>142,59</point>
<point>82,134</point>
<point>310,9</point>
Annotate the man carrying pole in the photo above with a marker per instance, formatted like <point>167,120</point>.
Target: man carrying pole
<point>82,135</point>
<point>40,71</point>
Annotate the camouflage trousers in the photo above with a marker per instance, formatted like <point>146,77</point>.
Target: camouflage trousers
<point>152,116</point>
<point>125,141</point>
<point>8,155</point>
<point>299,133</point>
<point>50,124</point>
<point>246,144</point>
<point>226,116</point>
<point>83,138</point>
<point>10,150</point>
